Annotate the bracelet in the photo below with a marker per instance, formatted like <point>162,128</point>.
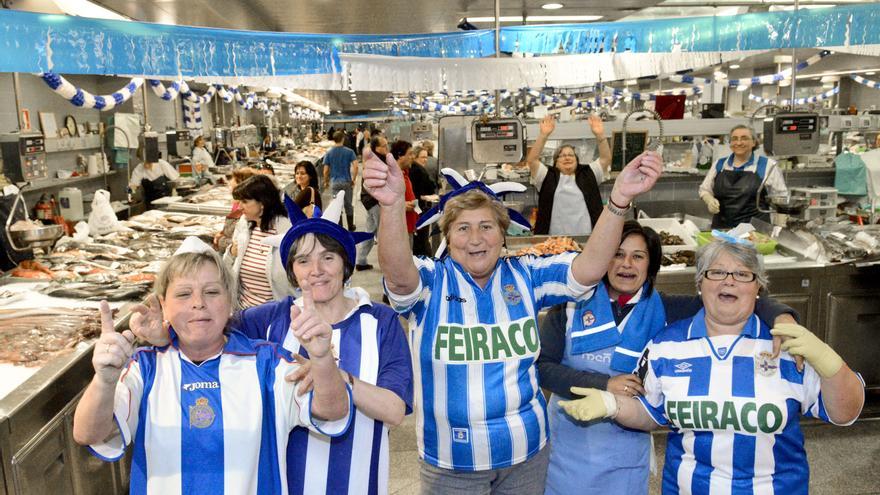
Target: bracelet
<point>615,209</point>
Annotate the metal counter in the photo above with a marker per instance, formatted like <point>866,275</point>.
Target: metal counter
<point>37,451</point>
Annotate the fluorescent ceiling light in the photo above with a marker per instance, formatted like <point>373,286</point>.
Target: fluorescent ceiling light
<point>537,18</point>
<point>742,87</point>
<point>734,66</point>
<point>719,75</point>
<point>837,73</point>
<point>552,6</point>
<point>85,8</point>
<point>870,73</point>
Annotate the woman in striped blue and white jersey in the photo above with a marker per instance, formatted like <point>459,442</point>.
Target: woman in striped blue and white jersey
<point>211,410</point>
<point>733,408</point>
<point>482,424</point>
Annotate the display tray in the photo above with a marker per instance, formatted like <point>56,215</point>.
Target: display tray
<point>515,243</point>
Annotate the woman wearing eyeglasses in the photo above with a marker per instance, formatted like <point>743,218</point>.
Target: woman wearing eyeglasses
<point>731,186</point>
<point>569,202</point>
<point>733,409</point>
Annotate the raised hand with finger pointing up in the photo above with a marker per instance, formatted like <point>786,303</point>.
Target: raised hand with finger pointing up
<point>113,349</point>
<point>309,327</point>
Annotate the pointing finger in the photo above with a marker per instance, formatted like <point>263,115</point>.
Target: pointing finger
<point>106,318</point>
<point>308,303</point>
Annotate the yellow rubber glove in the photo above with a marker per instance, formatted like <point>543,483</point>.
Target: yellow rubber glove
<point>595,404</point>
<point>711,203</point>
<point>802,342</point>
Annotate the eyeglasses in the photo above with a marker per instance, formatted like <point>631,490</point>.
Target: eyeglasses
<point>735,139</point>
<point>743,276</point>
<point>567,155</point>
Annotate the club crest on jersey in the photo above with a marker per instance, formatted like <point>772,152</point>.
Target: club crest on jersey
<point>765,364</point>
<point>588,319</point>
<point>511,296</point>
<point>461,435</point>
<point>201,415</point>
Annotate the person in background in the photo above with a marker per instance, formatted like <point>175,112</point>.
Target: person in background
<point>340,173</point>
<point>730,189</point>
<point>569,202</point>
<point>473,315</point>
<point>733,407</point>
<point>367,339</point>
<point>422,186</point>
<point>359,140</point>
<point>223,239</point>
<point>595,342</point>
<point>378,147</point>
<point>403,154</point>
<point>304,188</point>
<point>268,148</point>
<point>431,164</point>
<point>364,143</point>
<point>201,161</point>
<point>209,410</point>
<point>255,263</point>
<point>155,178</point>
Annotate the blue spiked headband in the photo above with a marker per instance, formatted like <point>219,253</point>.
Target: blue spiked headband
<point>320,223</point>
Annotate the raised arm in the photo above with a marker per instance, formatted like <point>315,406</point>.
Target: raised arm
<point>546,126</point>
<point>598,128</point>
<point>329,400</point>
<point>93,420</point>
<point>637,177</point>
<point>384,181</point>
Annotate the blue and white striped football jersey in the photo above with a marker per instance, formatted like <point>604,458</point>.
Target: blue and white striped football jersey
<point>370,344</point>
<point>476,380</point>
<point>734,411</point>
<point>217,427</point>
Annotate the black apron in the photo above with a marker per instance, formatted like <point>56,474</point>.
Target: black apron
<point>736,191</point>
<point>156,188</point>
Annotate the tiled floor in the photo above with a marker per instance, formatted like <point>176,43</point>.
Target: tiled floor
<point>843,461</point>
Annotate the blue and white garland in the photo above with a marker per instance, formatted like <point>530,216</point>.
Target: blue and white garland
<point>798,101</point>
<point>766,79</point>
<point>82,98</point>
<point>224,95</point>
<point>867,82</point>
<point>246,102</point>
<point>625,93</point>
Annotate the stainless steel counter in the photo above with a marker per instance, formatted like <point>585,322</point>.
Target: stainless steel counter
<point>37,451</point>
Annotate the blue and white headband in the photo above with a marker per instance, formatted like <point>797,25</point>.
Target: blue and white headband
<point>460,185</point>
<point>326,223</point>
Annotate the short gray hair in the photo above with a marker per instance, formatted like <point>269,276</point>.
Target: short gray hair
<point>745,253</point>
<point>186,264</point>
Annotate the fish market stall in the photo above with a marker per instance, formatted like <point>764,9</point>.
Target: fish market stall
<point>48,323</point>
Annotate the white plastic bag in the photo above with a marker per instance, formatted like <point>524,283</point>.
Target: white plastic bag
<point>102,219</point>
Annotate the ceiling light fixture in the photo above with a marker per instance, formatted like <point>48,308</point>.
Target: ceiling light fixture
<point>719,74</point>
<point>836,73</point>
<point>734,66</point>
<point>552,6</point>
<point>870,73</point>
<point>85,8</point>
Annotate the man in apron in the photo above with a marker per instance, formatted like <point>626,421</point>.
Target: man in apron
<point>155,178</point>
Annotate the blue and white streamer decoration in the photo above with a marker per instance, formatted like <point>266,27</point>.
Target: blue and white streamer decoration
<point>246,102</point>
<point>200,99</point>
<point>192,114</point>
<point>171,92</point>
<point>625,93</point>
<point>867,82</point>
<point>82,98</point>
<point>798,101</point>
<point>225,95</point>
<point>779,76</point>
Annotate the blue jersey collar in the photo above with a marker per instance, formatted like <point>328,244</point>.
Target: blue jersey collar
<point>697,328</point>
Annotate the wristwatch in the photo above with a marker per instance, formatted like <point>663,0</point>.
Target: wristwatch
<point>616,209</point>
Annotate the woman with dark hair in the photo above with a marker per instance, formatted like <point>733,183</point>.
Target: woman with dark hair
<point>569,202</point>
<point>730,189</point>
<point>257,264</point>
<point>304,188</point>
<point>596,342</point>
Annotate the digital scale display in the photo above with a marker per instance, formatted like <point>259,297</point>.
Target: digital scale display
<point>792,125</point>
<point>495,131</point>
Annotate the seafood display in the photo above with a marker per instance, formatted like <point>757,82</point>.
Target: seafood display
<point>687,258</point>
<point>553,245</point>
<point>31,337</point>
<point>668,239</point>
